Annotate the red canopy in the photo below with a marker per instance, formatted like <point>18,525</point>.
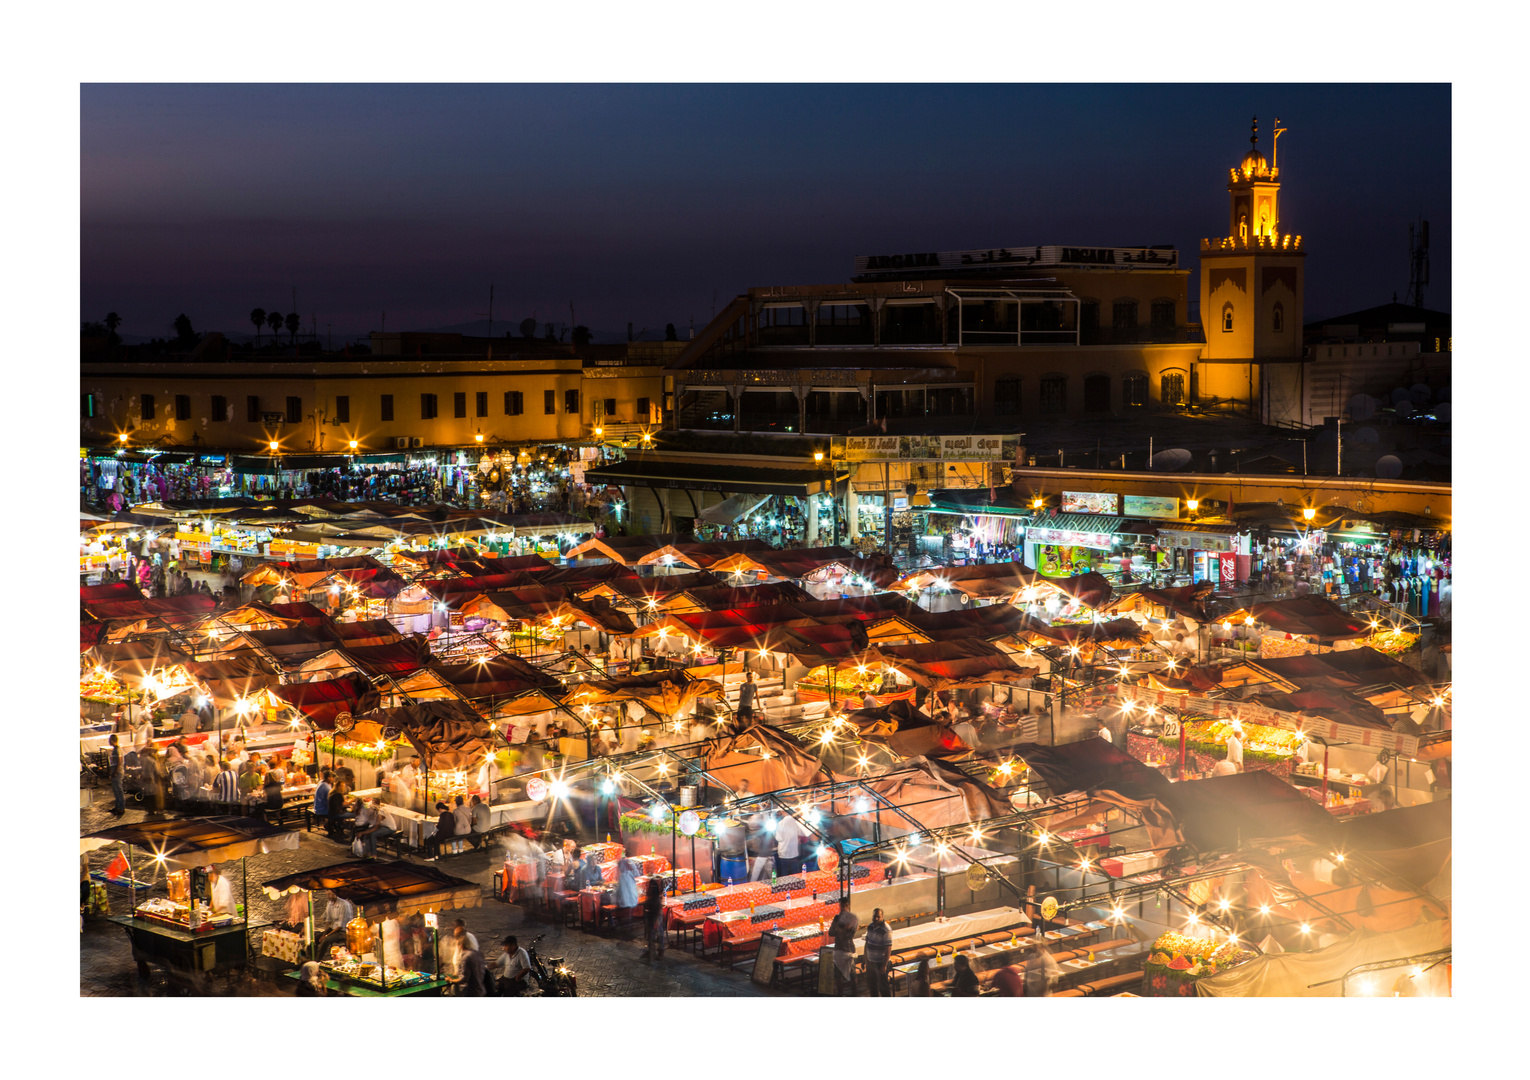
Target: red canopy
<point>320,702</point>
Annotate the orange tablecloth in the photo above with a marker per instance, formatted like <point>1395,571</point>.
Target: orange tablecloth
<point>690,909</point>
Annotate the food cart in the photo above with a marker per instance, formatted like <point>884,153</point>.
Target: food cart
<point>178,930</point>
<point>385,953</point>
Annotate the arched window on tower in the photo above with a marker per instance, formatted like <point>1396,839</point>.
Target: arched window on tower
<point>1227,318</point>
<point>1278,318</point>
<point>1171,389</point>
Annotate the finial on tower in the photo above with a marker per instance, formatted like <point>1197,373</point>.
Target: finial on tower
<point>1254,138</point>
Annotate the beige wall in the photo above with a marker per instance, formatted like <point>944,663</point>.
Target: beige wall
<point>117,389</point>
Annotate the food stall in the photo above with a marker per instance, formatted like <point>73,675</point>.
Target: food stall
<point>391,947</point>
<point>179,930</point>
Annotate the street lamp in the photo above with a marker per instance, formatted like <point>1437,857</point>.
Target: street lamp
<point>1309,512</point>
<point>354,444</point>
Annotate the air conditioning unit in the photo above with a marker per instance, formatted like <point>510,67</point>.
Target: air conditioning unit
<point>401,442</point>
<point>416,442</point>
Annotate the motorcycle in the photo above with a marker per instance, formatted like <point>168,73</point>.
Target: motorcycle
<point>553,976</point>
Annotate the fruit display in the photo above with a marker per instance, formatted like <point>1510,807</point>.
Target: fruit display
<point>1268,745</point>
<point>98,685</point>
<point>1176,961</point>
<point>1392,642</point>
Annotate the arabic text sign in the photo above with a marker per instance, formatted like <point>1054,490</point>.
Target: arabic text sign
<point>1165,258</point>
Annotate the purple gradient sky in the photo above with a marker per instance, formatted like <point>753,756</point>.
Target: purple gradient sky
<point>641,203</point>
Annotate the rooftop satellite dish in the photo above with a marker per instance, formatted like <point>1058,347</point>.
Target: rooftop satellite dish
<point>1400,394</point>
<point>1420,394</point>
<point>1365,435</point>
<point>1403,408</point>
<point>1170,460</point>
<point>1442,412</point>
<point>1388,467</point>
<point>1362,407</point>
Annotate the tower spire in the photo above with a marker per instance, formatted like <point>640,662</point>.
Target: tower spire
<point>1253,139</point>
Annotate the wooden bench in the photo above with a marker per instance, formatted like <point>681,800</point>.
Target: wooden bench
<point>1103,987</point>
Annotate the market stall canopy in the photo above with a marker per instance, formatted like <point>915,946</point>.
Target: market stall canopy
<point>230,679</point>
<point>134,661</point>
<point>1117,633</point>
<point>1009,580</point>
<point>1413,842</point>
<point>502,676</point>
<point>906,731</point>
<point>291,647</point>
<point>302,611</point>
<point>1355,668</point>
<point>394,658</point>
<point>1309,616</point>
<point>879,573</point>
<point>549,524</point>
<point>455,590</point>
<point>1188,601</point>
<point>112,591</point>
<point>155,607</point>
<point>769,759</point>
<point>254,615</point>
<point>987,623</point>
<point>949,665</point>
<point>90,635</point>
<point>705,556</point>
<point>1321,973</point>
<point>322,701</point>
<point>937,795</point>
<point>785,563</point>
<point>199,841</point>
<point>367,632</point>
<point>667,693</point>
<point>722,597</point>
<point>626,550</point>
<point>448,734</point>
<point>1220,813</point>
<point>1090,766</point>
<point>732,509</point>
<point>398,888</point>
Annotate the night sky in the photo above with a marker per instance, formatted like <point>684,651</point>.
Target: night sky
<point>656,204</point>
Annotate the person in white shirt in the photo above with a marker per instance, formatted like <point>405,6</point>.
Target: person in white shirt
<point>789,834</point>
<point>463,816</point>
<point>512,969</point>
<point>338,912</point>
<point>1235,747</point>
<point>220,893</point>
<point>1104,733</point>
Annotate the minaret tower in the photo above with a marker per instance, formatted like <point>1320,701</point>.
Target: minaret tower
<point>1251,292</point>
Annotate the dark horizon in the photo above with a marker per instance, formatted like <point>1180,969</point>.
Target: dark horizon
<point>644,203</point>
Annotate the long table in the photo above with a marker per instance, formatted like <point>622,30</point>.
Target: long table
<point>740,926</point>
<point>689,910</point>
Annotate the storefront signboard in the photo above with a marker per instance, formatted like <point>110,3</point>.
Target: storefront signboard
<point>859,448</point>
<point>1196,541</point>
<point>292,547</point>
<point>1070,537</point>
<point>1089,502</point>
<point>1150,506</point>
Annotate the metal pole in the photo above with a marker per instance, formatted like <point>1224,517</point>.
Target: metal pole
<point>244,885</point>
<point>1325,776</point>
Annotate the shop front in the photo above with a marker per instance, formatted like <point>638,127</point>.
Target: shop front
<point>1213,554</point>
<point>1066,545</point>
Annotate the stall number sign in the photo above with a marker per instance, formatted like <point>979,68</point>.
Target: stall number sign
<point>536,789</point>
<point>1171,727</point>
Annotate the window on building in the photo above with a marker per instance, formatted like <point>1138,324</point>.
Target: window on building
<point>385,407</point>
<point>1172,389</point>
<point>146,406</point>
<point>427,406</point>
<point>549,401</point>
<point>1097,393</point>
<point>183,406</point>
<point>343,408</point>
<point>1006,397</point>
<point>251,409</point>
<point>1089,317</point>
<point>459,405</point>
<point>87,405</point>
<point>1227,313</point>
<point>219,409</point>
<point>514,403</point>
<point>571,402</point>
<point>643,412</point>
<point>1162,315</point>
<point>1134,390</point>
<point>1054,394</point>
<point>610,406</point>
<point>294,410</point>
<point>481,400</point>
<point>1123,314</point>
<point>1278,318</point>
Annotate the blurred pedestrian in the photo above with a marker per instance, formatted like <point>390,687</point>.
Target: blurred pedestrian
<point>878,954</point>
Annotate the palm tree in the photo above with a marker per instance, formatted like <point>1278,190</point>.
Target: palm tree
<point>274,321</point>
<point>293,322</point>
<point>113,320</point>
<point>258,317</point>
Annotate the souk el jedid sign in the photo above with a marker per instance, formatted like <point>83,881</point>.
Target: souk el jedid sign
<point>927,447</point>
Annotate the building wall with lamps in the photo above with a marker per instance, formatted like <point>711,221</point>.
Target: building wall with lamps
<point>338,400</point>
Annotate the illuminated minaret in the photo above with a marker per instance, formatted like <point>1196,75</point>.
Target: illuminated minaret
<point>1251,293</point>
